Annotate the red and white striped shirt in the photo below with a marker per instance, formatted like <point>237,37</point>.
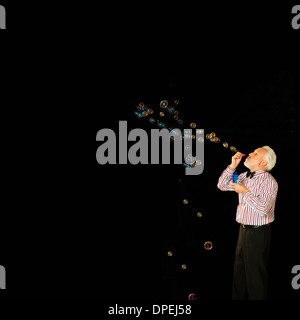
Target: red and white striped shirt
<point>256,206</point>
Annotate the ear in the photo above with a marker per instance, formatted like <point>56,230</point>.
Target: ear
<point>264,162</point>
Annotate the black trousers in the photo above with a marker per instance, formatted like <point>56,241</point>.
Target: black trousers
<point>250,275</point>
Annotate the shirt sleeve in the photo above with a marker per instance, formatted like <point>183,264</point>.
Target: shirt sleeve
<point>265,201</point>
<point>225,180</point>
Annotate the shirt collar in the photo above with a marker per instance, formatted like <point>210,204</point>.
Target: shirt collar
<point>258,172</point>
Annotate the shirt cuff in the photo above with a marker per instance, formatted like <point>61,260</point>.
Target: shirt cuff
<point>229,170</point>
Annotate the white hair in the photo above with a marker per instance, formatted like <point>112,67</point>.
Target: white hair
<point>270,157</point>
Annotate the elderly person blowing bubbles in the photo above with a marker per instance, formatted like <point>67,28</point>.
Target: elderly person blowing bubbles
<point>257,192</point>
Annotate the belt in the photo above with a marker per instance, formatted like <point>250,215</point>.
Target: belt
<point>244,226</point>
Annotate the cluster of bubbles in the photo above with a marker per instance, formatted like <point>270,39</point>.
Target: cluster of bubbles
<point>191,165</point>
<point>207,246</point>
<point>212,138</point>
<point>190,161</point>
<point>143,110</point>
<point>164,104</point>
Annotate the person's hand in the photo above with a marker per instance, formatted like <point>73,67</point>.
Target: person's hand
<point>235,160</point>
<point>239,187</point>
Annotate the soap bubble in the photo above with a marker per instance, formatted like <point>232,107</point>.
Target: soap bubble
<point>170,110</point>
<point>208,245</point>
<point>208,136</point>
<point>188,161</point>
<point>150,111</point>
<point>180,121</point>
<point>225,145</point>
<point>161,125</point>
<point>151,120</point>
<point>176,102</point>
<point>176,132</point>
<point>144,113</point>
<point>192,296</point>
<point>193,125</point>
<point>163,104</point>
<point>185,201</point>
<point>183,267</point>
<point>199,214</point>
<point>170,253</point>
<point>161,114</point>
<point>212,135</point>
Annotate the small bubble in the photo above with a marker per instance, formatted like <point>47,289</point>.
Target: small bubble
<point>163,104</point>
<point>208,245</point>
<point>192,296</point>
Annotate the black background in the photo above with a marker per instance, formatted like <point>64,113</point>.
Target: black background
<point>75,229</point>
